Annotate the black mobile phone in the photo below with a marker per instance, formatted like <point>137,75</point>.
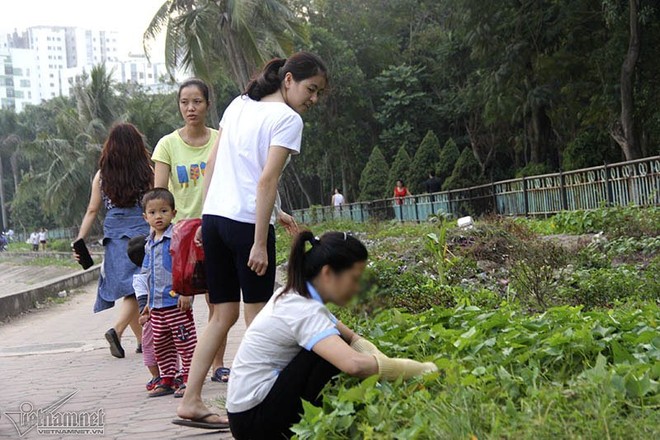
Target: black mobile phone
<point>85,259</point>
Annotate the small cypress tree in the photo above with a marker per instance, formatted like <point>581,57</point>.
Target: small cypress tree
<point>373,181</point>
<point>466,173</point>
<point>400,167</point>
<point>426,159</point>
<point>448,157</point>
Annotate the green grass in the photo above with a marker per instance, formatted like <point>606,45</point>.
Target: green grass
<point>586,366</point>
<point>46,261</point>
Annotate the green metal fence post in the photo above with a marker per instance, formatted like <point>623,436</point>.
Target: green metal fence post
<point>562,189</point>
<point>525,196</point>
<point>608,185</point>
<point>450,208</point>
<point>416,210</point>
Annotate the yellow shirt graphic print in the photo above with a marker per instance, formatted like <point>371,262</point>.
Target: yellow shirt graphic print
<point>187,170</point>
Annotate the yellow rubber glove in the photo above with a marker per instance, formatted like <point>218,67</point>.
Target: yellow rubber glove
<point>361,345</point>
<point>392,369</point>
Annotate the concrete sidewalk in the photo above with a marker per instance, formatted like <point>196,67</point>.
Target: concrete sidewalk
<point>48,354</point>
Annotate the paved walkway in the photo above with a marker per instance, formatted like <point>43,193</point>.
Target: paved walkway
<point>47,354</point>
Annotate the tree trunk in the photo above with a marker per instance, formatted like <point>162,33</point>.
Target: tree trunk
<point>542,138</point>
<point>344,182</point>
<point>623,131</point>
<point>3,212</point>
<point>215,117</point>
<point>300,185</point>
<point>13,160</point>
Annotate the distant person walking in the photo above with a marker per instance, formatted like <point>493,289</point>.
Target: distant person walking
<point>124,175</point>
<point>337,198</point>
<point>433,184</point>
<point>259,132</point>
<point>400,192</point>
<point>180,162</point>
<point>43,238</point>
<point>34,241</point>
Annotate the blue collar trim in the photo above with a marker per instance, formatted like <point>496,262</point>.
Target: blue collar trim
<point>314,293</point>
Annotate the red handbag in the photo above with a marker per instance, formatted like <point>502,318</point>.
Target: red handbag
<point>188,273</point>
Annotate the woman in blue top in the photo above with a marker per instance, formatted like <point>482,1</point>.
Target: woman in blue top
<point>125,174</point>
<point>296,345</point>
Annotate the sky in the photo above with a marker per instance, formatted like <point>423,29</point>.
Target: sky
<point>129,17</point>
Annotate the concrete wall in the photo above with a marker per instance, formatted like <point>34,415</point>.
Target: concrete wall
<point>16,303</point>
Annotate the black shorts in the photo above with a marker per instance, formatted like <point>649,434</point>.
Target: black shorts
<point>227,246</point>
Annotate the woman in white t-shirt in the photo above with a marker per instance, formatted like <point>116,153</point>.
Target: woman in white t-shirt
<point>337,198</point>
<point>295,345</point>
<point>258,133</point>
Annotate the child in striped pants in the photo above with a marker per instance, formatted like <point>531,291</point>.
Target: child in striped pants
<point>170,314</point>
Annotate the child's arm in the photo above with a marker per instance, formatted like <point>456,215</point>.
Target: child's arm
<point>141,285</point>
<point>185,303</point>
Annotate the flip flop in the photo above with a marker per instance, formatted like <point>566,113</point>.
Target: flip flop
<point>180,391</point>
<point>115,346</point>
<point>221,375</point>
<point>198,422</point>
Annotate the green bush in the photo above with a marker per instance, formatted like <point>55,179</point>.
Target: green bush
<point>448,157</point>
<point>623,221</point>
<point>373,181</point>
<point>400,167</point>
<point>606,286</point>
<point>466,172</point>
<point>425,160</point>
<point>59,245</point>
<point>533,275</point>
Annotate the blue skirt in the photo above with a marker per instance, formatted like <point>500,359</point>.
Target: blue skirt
<point>117,270</point>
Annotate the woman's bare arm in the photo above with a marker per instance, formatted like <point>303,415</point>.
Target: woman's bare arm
<point>95,202</point>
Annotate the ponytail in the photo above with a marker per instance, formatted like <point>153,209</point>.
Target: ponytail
<point>267,82</point>
<point>338,250</point>
<point>301,65</point>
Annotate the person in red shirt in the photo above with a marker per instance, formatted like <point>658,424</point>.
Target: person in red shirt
<point>400,191</point>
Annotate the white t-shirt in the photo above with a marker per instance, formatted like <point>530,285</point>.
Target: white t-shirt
<point>43,236</point>
<point>286,325</point>
<point>338,199</point>
<point>249,129</point>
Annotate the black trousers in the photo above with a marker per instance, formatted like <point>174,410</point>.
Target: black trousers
<point>303,378</point>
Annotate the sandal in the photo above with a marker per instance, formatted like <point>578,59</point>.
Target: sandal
<point>152,383</point>
<point>180,391</point>
<point>161,390</point>
<point>221,375</point>
<point>115,345</point>
<point>200,422</point>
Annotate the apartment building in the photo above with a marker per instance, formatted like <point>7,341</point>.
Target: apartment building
<point>43,62</point>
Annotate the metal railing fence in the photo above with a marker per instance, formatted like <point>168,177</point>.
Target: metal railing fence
<point>635,182</point>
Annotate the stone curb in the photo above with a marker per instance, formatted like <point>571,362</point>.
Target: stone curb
<point>19,302</point>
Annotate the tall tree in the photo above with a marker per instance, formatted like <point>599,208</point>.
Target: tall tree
<point>623,130</point>
<point>373,181</point>
<point>425,160</point>
<point>400,168</point>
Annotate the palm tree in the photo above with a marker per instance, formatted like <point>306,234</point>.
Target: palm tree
<point>71,156</point>
<point>9,146</point>
<point>235,36</point>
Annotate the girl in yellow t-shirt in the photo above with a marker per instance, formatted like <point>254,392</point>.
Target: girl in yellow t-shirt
<point>180,162</point>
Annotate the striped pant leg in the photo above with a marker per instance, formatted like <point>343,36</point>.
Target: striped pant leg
<point>185,339</point>
<point>163,344</point>
<point>148,351</point>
